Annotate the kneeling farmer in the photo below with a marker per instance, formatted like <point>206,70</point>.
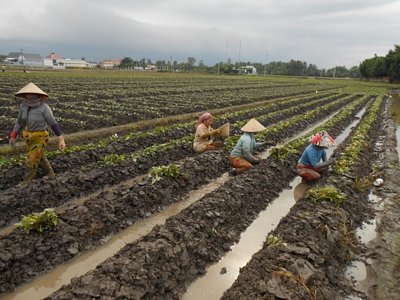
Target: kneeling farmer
<point>34,117</point>
<point>313,160</point>
<point>202,138</point>
<point>241,156</point>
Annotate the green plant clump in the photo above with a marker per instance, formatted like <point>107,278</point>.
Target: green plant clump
<point>171,170</point>
<point>39,222</point>
<point>326,193</point>
<point>275,241</point>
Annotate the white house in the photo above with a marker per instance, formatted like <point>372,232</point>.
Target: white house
<point>54,61</point>
<point>251,70</point>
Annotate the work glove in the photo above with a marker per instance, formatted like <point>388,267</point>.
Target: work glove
<point>12,142</point>
<point>256,161</point>
<point>61,143</point>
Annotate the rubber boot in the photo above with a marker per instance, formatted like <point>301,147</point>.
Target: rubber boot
<point>46,166</point>
<point>29,174</point>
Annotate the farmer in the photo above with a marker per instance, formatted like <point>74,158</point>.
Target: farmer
<point>34,117</point>
<point>241,157</point>
<point>313,161</point>
<point>202,138</point>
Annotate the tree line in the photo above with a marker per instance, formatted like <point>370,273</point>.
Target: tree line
<point>387,66</point>
<point>291,68</point>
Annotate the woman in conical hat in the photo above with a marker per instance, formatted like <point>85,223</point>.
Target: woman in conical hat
<point>204,132</point>
<point>313,161</point>
<point>34,118</point>
<point>241,157</point>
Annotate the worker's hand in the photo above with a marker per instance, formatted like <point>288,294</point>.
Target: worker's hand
<point>61,143</point>
<point>256,161</point>
<point>12,142</point>
<point>216,132</point>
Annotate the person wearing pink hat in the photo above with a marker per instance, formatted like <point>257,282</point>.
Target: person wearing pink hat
<point>313,161</point>
<point>34,117</point>
<point>202,138</point>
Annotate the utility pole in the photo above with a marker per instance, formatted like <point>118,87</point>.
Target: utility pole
<point>266,61</point>
<point>226,51</point>
<point>22,58</point>
<point>240,50</point>
<point>334,72</point>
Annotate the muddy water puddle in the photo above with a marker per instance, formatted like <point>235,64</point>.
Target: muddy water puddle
<point>360,271</point>
<point>213,284</point>
<point>45,285</point>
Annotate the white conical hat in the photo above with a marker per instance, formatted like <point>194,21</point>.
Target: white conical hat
<point>31,88</point>
<point>253,126</point>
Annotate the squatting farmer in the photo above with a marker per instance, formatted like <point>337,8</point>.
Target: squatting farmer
<point>202,138</point>
<point>313,162</point>
<point>34,117</point>
<point>241,157</point>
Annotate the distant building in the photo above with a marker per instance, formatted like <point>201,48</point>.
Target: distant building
<point>110,63</point>
<point>24,59</point>
<point>77,63</point>
<point>54,61</point>
<point>251,70</point>
<point>151,68</point>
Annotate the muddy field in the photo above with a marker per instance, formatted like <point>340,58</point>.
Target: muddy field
<point>97,198</point>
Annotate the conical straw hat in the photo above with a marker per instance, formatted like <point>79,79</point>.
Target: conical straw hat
<point>253,126</point>
<point>225,130</point>
<point>31,88</point>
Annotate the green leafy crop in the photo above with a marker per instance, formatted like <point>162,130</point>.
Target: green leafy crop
<point>39,222</point>
<point>171,170</point>
<point>326,193</point>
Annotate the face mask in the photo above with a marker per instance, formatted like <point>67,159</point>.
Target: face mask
<point>31,98</point>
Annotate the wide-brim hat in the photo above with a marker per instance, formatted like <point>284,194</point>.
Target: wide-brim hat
<point>322,139</point>
<point>225,130</point>
<point>253,126</point>
<point>31,88</point>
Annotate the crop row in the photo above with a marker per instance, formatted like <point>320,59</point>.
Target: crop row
<point>115,168</point>
<point>77,233</point>
<point>163,262</point>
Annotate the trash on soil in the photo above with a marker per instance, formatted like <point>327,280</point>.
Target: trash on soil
<point>378,182</point>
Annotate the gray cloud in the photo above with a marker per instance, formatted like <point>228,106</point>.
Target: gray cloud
<point>325,33</point>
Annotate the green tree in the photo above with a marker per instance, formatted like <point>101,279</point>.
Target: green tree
<point>126,62</point>
<point>392,61</point>
<point>190,63</point>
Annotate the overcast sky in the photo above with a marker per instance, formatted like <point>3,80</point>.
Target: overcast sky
<point>321,32</point>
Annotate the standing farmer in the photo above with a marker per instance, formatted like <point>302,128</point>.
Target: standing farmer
<point>241,156</point>
<point>313,161</point>
<point>34,117</point>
